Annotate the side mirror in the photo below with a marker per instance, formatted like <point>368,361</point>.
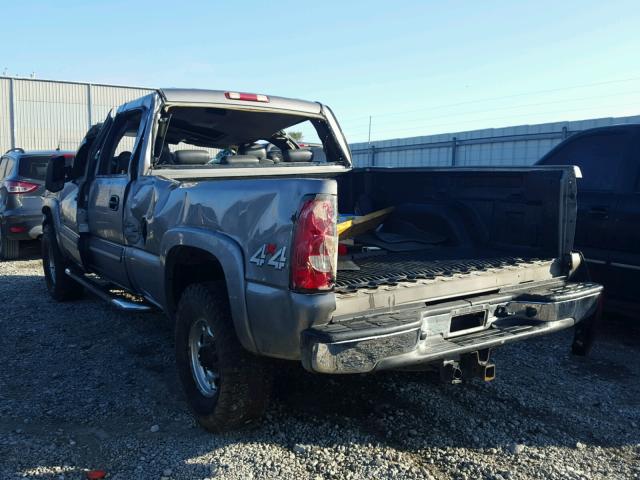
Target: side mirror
<point>56,172</point>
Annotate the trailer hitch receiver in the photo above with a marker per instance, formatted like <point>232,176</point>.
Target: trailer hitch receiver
<point>478,364</point>
<point>471,365</point>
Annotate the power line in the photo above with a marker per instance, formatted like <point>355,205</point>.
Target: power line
<point>509,107</point>
<point>494,118</point>
<point>535,92</point>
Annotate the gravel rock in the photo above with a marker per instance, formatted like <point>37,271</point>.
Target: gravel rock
<point>516,448</point>
<point>82,372</point>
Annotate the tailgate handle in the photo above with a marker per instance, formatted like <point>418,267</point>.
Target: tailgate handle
<point>114,202</point>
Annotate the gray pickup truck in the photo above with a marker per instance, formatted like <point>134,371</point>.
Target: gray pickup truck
<point>174,203</point>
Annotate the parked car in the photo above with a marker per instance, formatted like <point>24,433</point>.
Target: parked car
<point>244,255</point>
<point>22,175</point>
<point>608,229</point>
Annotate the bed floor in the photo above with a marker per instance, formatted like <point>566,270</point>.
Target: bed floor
<point>382,268</point>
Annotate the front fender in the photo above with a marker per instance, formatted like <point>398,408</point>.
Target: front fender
<point>230,256</point>
<point>51,209</point>
<point>67,239</point>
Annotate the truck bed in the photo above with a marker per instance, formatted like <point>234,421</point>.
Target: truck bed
<point>452,222</point>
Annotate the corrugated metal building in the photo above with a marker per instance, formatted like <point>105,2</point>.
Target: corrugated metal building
<point>45,114</point>
<point>519,145</point>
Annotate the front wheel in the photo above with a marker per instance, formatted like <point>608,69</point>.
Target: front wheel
<point>61,287</point>
<point>225,385</point>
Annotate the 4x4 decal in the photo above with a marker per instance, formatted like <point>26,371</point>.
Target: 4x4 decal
<point>278,259</point>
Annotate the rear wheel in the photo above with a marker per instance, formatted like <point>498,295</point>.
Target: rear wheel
<point>9,248</point>
<point>61,287</point>
<point>225,385</point>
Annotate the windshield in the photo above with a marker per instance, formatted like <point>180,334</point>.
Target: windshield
<point>219,137</point>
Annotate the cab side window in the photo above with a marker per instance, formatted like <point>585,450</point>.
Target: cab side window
<point>600,157</point>
<point>118,148</point>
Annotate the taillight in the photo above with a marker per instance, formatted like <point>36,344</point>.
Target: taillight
<point>251,97</point>
<point>315,245</point>
<point>14,186</point>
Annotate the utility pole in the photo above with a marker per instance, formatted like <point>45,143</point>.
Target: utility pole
<point>13,131</point>
<point>369,130</point>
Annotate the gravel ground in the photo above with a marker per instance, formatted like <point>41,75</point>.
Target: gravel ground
<point>85,387</point>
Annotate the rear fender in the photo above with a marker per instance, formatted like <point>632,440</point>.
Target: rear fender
<point>230,256</point>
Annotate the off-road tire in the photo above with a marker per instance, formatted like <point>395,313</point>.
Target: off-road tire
<point>9,248</point>
<point>61,287</point>
<point>244,379</point>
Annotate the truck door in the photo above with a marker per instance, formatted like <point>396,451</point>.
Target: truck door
<point>624,283</point>
<point>71,222</point>
<point>600,156</point>
<point>107,196</point>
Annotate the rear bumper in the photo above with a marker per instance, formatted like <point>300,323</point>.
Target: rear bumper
<point>23,227</point>
<point>424,335</point>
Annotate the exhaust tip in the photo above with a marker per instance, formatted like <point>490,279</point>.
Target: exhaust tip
<point>489,372</point>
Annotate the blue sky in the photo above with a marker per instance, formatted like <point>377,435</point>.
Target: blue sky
<point>416,67</point>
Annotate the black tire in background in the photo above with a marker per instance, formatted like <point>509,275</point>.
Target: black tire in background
<point>243,380</point>
<point>61,287</point>
<point>9,249</point>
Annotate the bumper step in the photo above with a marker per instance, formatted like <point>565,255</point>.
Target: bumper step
<point>424,334</point>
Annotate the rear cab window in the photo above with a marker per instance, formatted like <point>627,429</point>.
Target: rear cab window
<point>197,137</point>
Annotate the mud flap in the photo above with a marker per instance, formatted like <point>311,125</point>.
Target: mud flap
<point>585,332</point>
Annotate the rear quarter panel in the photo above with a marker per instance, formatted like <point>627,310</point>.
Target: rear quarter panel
<point>251,212</point>
<point>232,219</point>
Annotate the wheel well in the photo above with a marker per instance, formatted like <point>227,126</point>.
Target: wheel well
<point>187,265</point>
<point>47,214</point>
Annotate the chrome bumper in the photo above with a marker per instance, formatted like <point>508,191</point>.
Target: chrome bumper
<point>426,334</point>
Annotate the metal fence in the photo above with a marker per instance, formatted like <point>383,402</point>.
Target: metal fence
<point>520,145</point>
<point>45,114</point>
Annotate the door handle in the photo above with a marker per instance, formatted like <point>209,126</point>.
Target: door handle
<point>114,202</point>
<point>601,212</point>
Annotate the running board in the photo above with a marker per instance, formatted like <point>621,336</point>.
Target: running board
<point>106,295</point>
